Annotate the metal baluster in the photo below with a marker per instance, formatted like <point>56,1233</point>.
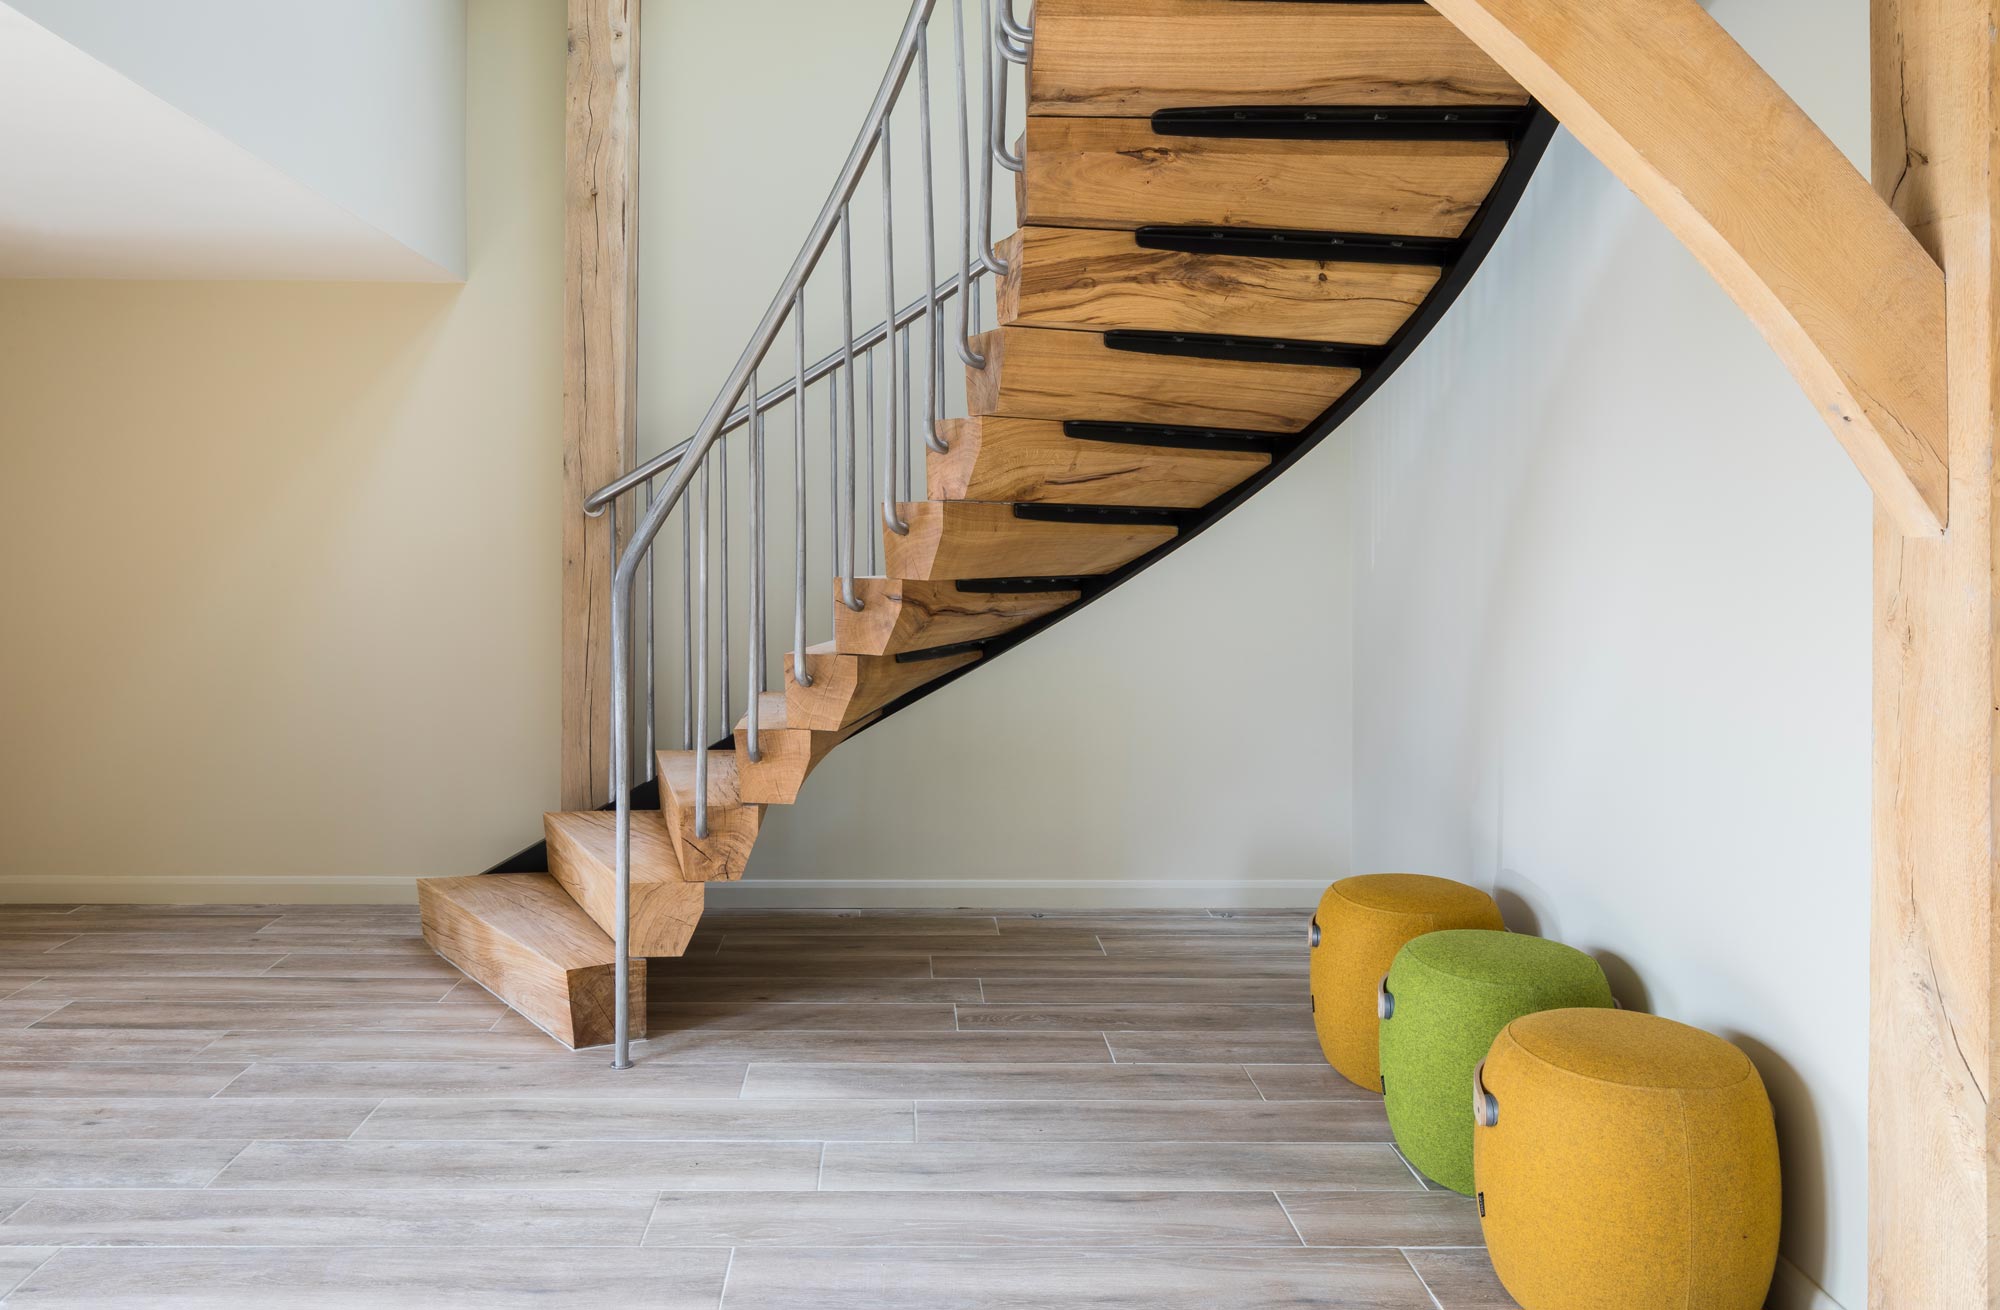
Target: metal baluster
<point>687,629</point>
<point>799,674</point>
<point>989,131</point>
<point>722,517</point>
<point>932,339</point>
<point>890,518</point>
<point>610,761</point>
<point>997,71</point>
<point>1016,30</point>
<point>701,665</point>
<point>754,684</point>
<point>833,463</point>
<point>909,447</point>
<point>966,228</point>
<point>847,595</point>
<point>652,709</point>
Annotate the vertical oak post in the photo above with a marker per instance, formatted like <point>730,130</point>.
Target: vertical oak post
<point>1932,1163</point>
<point>600,316</point>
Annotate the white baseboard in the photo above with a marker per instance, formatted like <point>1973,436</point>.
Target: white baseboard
<point>759,893</point>
<point>1791,1289</point>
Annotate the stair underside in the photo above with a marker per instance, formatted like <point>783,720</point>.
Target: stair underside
<point>1190,305</point>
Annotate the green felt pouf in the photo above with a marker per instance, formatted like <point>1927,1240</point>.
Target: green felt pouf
<point>1448,995</point>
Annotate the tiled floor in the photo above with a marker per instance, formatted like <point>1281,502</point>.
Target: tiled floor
<point>216,1108</point>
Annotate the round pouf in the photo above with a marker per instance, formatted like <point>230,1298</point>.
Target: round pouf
<point>1360,925</point>
<point>1446,998</point>
<point>1625,1162</point>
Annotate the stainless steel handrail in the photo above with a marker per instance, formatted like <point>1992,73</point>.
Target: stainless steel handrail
<point>741,403</point>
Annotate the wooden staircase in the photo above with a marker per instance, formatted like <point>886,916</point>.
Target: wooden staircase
<point>1237,217</point>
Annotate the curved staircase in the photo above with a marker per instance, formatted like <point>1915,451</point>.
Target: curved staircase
<point>1236,218</point>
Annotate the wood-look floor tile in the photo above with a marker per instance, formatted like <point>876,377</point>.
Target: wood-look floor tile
<point>1002,1082</point>
<point>1384,1219</point>
<point>19,1044</point>
<point>10,1202</point>
<point>577,1075</point>
<point>281,1016</point>
<point>1306,1082</point>
<point>1099,1018</point>
<point>653,1119</point>
<point>96,1078</point>
<point>1112,921</point>
<point>16,1015</point>
<point>901,1048</point>
<point>1462,1280</point>
<point>905,991</point>
<point>544,1165</point>
<point>762,966</point>
<point>132,918</point>
<point>1150,1121</point>
<point>61,991</point>
<point>1146,991</point>
<point>363,964</point>
<point>345,943</point>
<point>1298,1047</point>
<point>1116,1166</point>
<point>244,1217</point>
<point>16,1263</point>
<point>230,942</point>
<point>81,1162</point>
<point>239,1118</point>
<point>868,923</point>
<point>374,1278</point>
<point>753,1016</point>
<point>971,1219</point>
<point>988,965</point>
<point>436,1044</point>
<point>1181,1278</point>
<point>1032,941</point>
<point>226,964</point>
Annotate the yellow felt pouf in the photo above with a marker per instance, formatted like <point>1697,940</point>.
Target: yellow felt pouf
<point>1360,925</point>
<point>1625,1162</point>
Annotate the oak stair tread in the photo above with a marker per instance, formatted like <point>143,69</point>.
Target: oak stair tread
<point>846,690</point>
<point>583,858</point>
<point>1094,280</point>
<point>1035,461</point>
<point>721,854</point>
<point>1046,374</point>
<point>960,539</point>
<point>1127,58</point>
<point>1118,173</point>
<point>786,755</point>
<point>522,938</point>
<point>911,614</point>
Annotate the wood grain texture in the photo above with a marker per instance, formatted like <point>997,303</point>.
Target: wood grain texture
<point>523,939</point>
<point>1118,173</point>
<point>905,614</point>
<point>847,689</point>
<point>1035,373</point>
<point>600,361</point>
<point>1774,210</point>
<point>1932,1172</point>
<point>732,823</point>
<point>974,539</point>
<point>1093,280</point>
<point>583,857</point>
<point>1032,461</point>
<point>1127,58</point>
<point>786,756</point>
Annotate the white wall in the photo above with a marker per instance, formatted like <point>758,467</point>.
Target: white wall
<point>1613,635</point>
<point>1182,741</point>
<point>362,101</point>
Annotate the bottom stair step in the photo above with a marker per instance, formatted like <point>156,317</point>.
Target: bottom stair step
<point>521,937</point>
<point>583,856</point>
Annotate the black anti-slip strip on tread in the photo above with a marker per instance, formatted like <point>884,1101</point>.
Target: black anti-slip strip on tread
<point>939,652</point>
<point>1347,122</point>
<point>1022,586</point>
<point>1121,515</point>
<point>1287,243</point>
<point>1175,438</point>
<point>1248,350</point>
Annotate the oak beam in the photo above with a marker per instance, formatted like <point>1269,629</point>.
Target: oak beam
<point>1933,1149</point>
<point>600,374</point>
<point>1660,93</point>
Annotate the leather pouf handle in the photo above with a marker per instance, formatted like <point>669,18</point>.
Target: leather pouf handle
<point>1485,1109</point>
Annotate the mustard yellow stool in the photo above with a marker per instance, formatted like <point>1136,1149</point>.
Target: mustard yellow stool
<point>1360,925</point>
<point>1625,1162</point>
